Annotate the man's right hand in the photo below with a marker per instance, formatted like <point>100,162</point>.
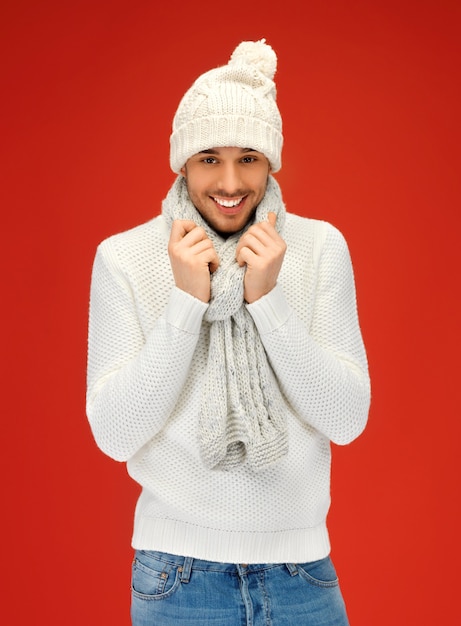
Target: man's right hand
<point>193,258</point>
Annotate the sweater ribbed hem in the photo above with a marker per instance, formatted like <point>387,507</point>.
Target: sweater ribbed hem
<point>185,312</point>
<point>271,311</point>
<point>175,537</point>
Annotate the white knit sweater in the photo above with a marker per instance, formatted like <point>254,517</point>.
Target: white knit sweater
<point>148,346</point>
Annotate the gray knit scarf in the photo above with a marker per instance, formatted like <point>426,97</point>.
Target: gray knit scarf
<point>241,417</point>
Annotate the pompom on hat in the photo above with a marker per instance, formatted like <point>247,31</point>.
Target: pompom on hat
<point>231,106</point>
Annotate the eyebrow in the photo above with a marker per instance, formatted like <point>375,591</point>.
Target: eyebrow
<point>216,151</point>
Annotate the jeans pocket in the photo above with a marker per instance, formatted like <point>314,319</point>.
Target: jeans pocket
<point>319,573</point>
<point>153,579</point>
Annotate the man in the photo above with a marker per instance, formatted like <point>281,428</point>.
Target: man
<point>224,356</point>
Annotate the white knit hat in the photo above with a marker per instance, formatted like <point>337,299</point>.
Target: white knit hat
<point>231,106</point>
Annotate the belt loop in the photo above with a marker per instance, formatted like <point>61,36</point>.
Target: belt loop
<point>292,568</point>
<point>186,569</point>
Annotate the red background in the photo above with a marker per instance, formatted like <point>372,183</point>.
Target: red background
<point>370,93</point>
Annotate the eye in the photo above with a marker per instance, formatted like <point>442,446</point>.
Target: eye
<point>248,159</point>
<point>209,160</point>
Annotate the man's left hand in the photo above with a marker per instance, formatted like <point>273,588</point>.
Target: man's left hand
<point>262,250</point>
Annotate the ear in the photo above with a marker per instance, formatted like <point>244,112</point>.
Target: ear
<point>183,171</point>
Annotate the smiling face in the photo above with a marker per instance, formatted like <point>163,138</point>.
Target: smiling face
<point>226,185</point>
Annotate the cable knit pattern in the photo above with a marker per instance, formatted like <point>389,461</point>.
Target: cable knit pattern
<point>241,416</point>
<point>233,105</point>
<point>147,364</point>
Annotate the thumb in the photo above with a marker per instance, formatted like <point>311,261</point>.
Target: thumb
<point>271,218</point>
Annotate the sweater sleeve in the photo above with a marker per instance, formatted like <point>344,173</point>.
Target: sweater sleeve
<point>134,381</point>
<point>322,370</point>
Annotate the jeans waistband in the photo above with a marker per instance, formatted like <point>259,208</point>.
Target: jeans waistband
<point>187,564</point>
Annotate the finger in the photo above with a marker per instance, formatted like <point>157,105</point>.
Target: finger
<point>205,250</point>
<point>272,218</point>
<point>266,231</point>
<point>246,256</point>
<point>241,257</point>
<point>199,246</point>
<point>258,235</point>
<point>180,228</point>
<point>257,242</point>
<point>195,235</point>
<point>213,264</point>
<point>188,238</point>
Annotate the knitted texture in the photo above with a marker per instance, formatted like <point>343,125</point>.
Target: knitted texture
<point>241,416</point>
<point>147,365</point>
<point>233,105</point>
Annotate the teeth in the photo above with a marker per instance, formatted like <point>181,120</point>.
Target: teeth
<point>228,203</point>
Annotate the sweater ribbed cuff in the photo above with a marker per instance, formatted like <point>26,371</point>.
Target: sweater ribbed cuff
<point>271,311</point>
<point>185,312</point>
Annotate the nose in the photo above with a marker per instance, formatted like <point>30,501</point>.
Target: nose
<point>230,181</point>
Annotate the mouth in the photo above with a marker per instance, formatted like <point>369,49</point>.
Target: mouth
<point>229,206</point>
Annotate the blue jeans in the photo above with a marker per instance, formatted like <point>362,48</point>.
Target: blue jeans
<point>172,590</point>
